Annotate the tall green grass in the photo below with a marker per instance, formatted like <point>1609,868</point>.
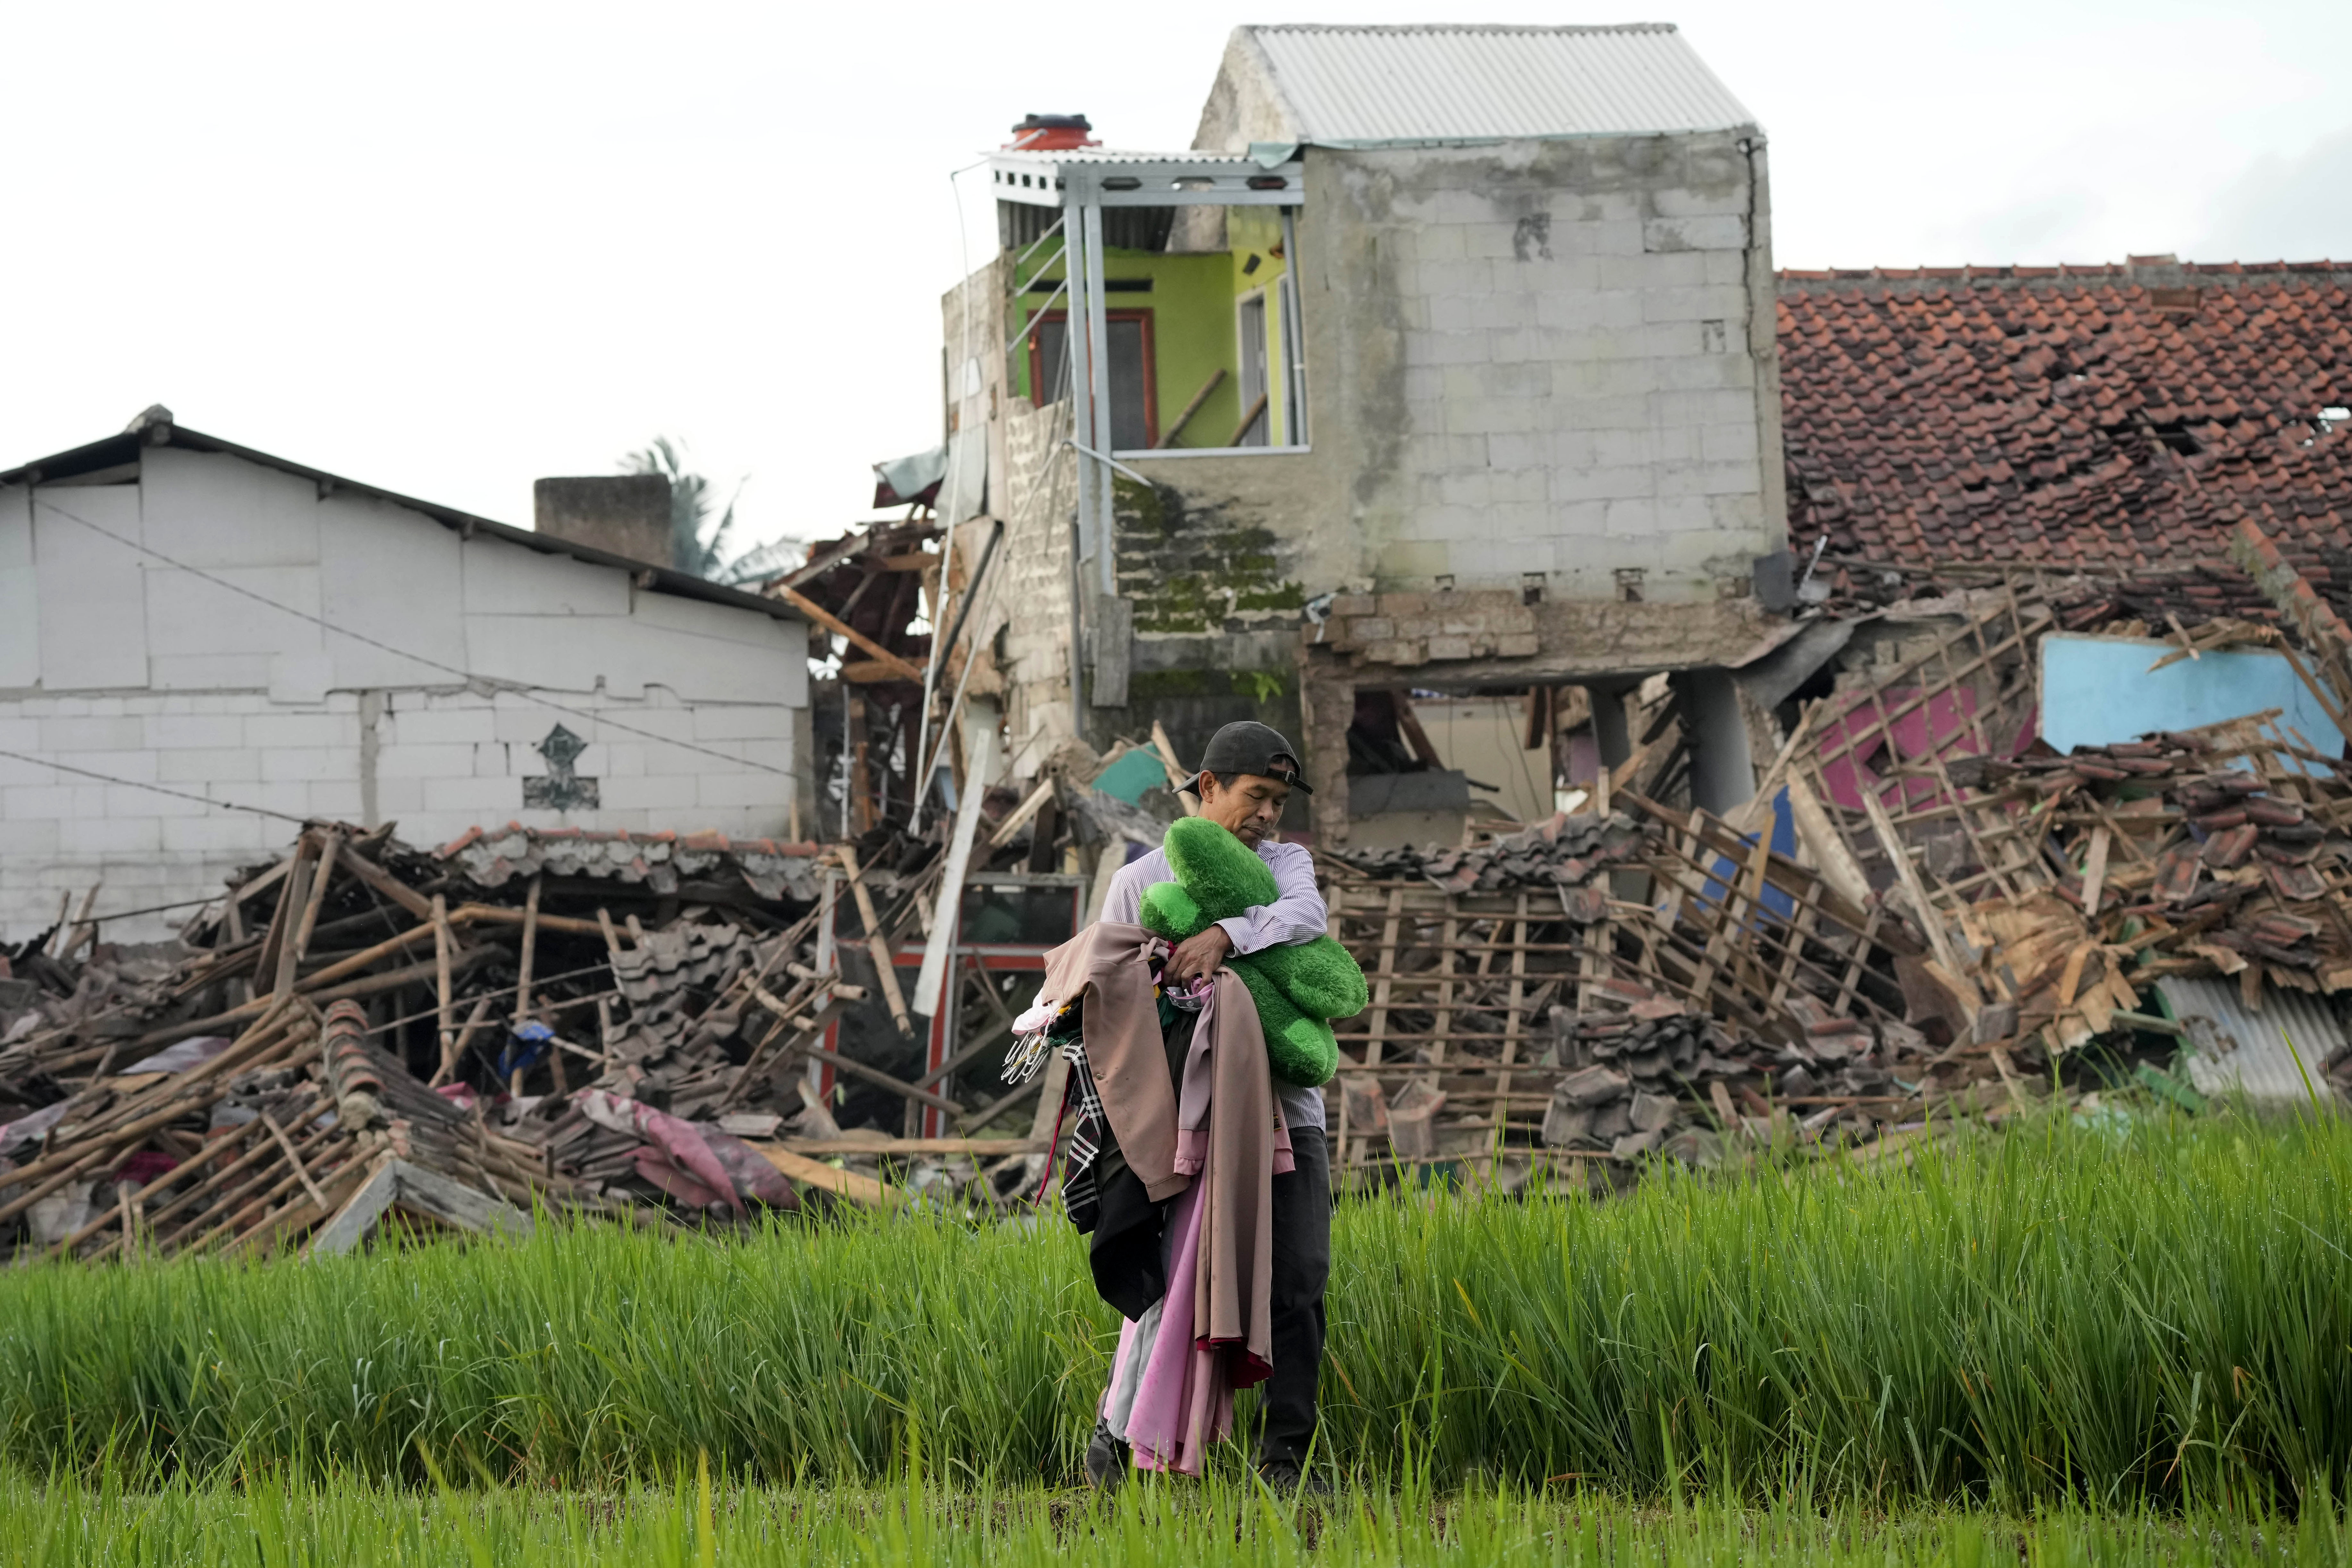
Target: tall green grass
<point>278,1525</point>
<point>2055,1316</point>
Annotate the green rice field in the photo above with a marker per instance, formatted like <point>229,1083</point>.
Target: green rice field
<point>296,1525</point>
<point>2088,1331</point>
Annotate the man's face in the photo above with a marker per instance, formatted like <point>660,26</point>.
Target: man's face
<point>1248,807</point>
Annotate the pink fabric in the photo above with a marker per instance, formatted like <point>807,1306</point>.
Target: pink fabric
<point>1193,1095</point>
<point>1938,724</point>
<point>1183,1402</point>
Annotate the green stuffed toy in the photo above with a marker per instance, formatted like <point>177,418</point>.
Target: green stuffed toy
<point>1299,988</point>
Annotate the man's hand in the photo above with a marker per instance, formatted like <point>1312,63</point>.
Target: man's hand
<point>1196,956</point>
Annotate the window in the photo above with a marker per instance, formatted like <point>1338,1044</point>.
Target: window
<point>1134,403</point>
<point>1254,384</point>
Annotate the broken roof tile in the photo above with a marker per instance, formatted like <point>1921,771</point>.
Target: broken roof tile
<point>1968,416</point>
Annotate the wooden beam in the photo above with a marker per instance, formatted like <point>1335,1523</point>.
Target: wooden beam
<point>839,627</point>
<point>1208,388</point>
<point>878,941</point>
<point>984,1148</point>
<point>843,1183</point>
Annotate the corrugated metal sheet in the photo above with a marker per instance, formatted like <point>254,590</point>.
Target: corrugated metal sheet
<point>1358,85</point>
<point>2277,1055</point>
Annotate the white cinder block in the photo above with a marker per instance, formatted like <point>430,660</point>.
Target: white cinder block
<point>1694,305</point>
<point>1444,348</point>
<point>1727,443</point>
<point>23,802</point>
<point>1706,372</point>
<point>122,801</point>
<point>230,766</point>
<point>1503,312</point>
<point>15,773</point>
<point>285,763</point>
<point>289,797</point>
<point>744,791</point>
<point>26,836</point>
<point>1728,199</point>
<point>658,793</point>
<point>210,672</point>
<point>1602,484</point>
<point>488,798</point>
<point>433,726</point>
<point>530,723</point>
<point>1481,416</point>
<point>337,798</point>
<point>60,735</point>
<point>223,830</point>
<point>405,760</point>
<point>137,766</point>
<point>211,731</point>
<point>399,799</point>
<point>308,730</point>
<point>497,760</point>
<point>1632,516</point>
<point>1718,231</point>
<point>110,836</point>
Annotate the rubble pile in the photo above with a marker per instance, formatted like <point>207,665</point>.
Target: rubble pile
<point>2215,852</point>
<point>597,1024</point>
<point>1567,852</point>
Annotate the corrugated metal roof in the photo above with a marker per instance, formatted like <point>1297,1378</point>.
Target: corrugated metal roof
<point>1057,158</point>
<point>2277,1056</point>
<point>1357,86</point>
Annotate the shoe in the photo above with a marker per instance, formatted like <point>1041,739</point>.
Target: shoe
<point>1107,1459</point>
<point>1287,1479</point>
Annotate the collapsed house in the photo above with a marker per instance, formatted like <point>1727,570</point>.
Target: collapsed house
<point>1449,348</point>
<point>1744,712</point>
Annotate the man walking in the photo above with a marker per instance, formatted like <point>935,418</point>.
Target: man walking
<point>1247,775</point>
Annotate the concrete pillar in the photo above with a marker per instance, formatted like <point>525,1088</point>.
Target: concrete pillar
<point>1609,729</point>
<point>1722,775</point>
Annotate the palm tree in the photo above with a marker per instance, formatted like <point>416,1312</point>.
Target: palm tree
<point>696,545</point>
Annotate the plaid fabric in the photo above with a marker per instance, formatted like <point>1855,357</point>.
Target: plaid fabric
<point>1079,1193</point>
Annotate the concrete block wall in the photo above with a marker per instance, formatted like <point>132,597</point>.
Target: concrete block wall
<point>222,628</point>
<point>436,763</point>
<point>1029,611</point>
<point>1579,390</point>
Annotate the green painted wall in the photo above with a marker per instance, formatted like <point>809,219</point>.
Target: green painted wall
<point>1193,322</point>
<point>1255,234</point>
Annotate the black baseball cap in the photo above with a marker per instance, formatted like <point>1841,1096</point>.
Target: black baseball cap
<point>1246,746</point>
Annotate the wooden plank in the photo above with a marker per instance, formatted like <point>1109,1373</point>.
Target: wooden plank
<point>383,881</point>
<point>1930,917</point>
<point>1515,1023</point>
<point>875,1076</point>
<point>2095,870</point>
<point>444,1003</point>
<point>843,1183</point>
<point>1176,771</point>
<point>878,941</point>
<point>435,1195</point>
<point>839,627</point>
<point>351,1223</point>
<point>983,1148</point>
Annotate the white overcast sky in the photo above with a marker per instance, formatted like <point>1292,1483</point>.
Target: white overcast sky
<point>445,250</point>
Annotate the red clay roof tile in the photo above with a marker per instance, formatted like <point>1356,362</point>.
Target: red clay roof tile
<point>1966,415</point>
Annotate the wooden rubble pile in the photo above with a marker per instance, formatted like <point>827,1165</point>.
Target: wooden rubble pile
<point>1960,911</point>
<point>1643,1008</point>
<point>360,1026</point>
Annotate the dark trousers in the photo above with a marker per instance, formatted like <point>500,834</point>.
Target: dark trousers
<point>1302,1264</point>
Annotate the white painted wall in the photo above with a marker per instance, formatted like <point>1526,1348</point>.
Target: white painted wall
<point>116,660</point>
